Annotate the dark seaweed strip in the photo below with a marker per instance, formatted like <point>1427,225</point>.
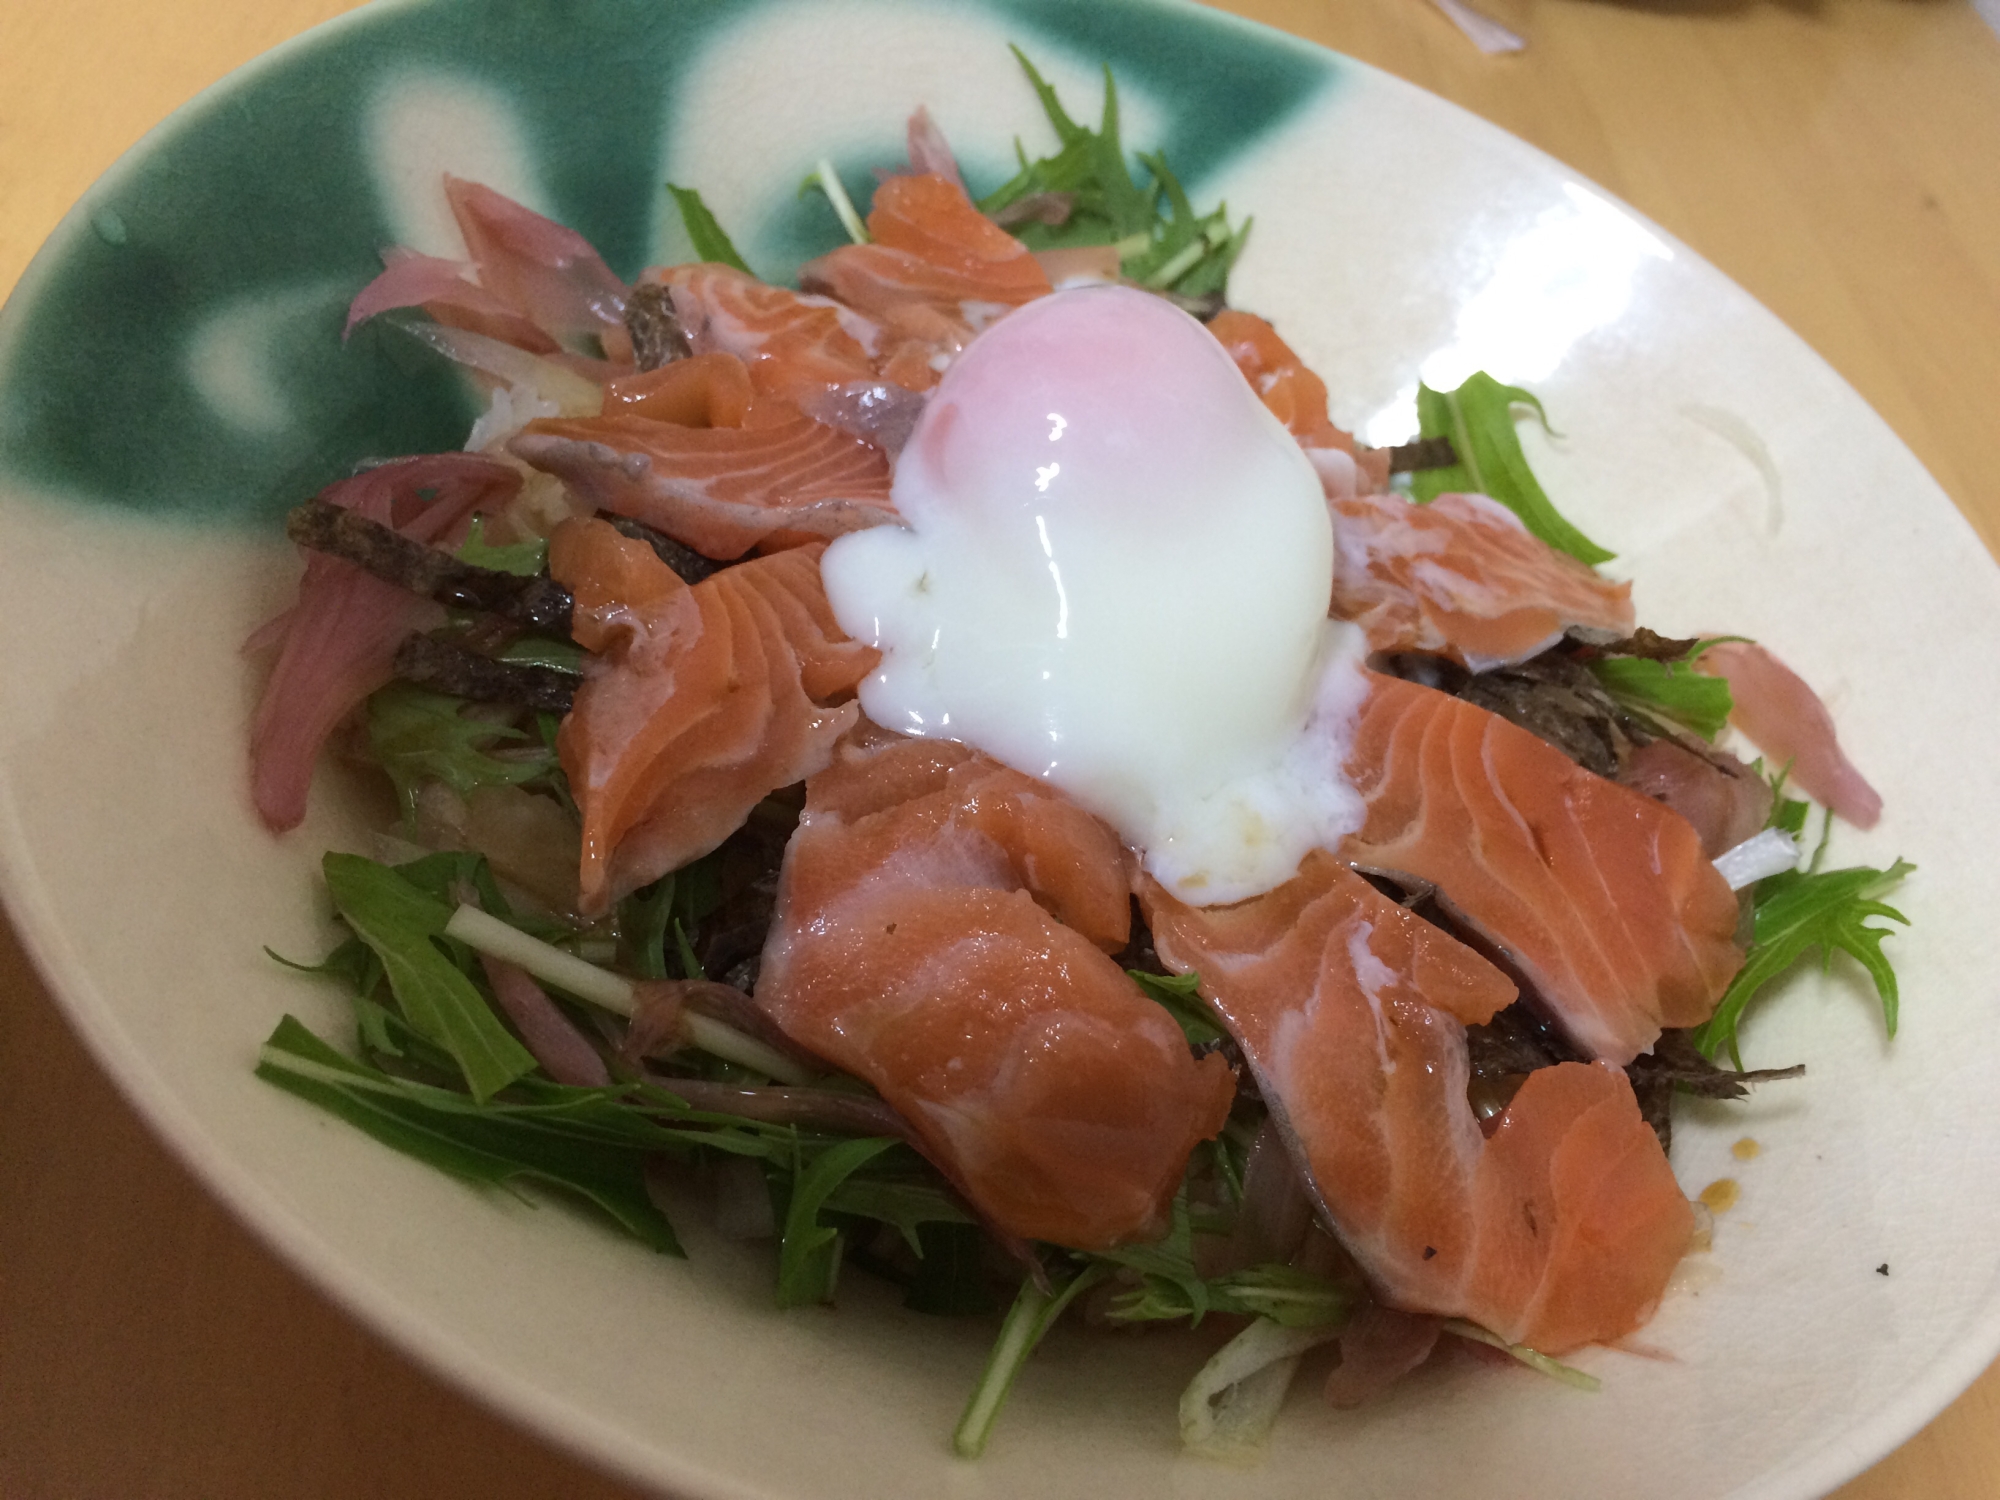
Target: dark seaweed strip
<point>1424,453</point>
<point>537,603</point>
<point>448,668</point>
<point>657,336</point>
<point>683,559</point>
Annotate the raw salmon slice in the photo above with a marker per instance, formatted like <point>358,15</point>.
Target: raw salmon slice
<point>1600,897</point>
<point>1297,397</point>
<point>700,702</point>
<point>701,390</point>
<point>721,490</point>
<point>1559,1230</point>
<point>941,931</point>
<point>1462,577</point>
<point>937,272</point>
<point>795,346</point>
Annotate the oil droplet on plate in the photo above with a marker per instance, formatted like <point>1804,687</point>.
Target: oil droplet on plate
<point>1745,1149</point>
<point>1721,1195</point>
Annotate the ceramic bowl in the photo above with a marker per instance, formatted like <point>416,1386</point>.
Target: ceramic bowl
<point>172,379</point>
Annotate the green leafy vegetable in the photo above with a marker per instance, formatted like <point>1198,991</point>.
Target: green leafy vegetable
<point>1285,1295</point>
<point>541,651</point>
<point>706,235</point>
<point>1033,1314</point>
<point>809,1254</point>
<point>489,1145</point>
<point>1162,240</point>
<point>400,923</point>
<point>419,736</point>
<point>1671,689</point>
<point>642,923</point>
<point>1797,913</point>
<point>825,180</point>
<point>523,559</point>
<point>1179,994</point>
<point>1478,417</point>
<point>1168,1262</point>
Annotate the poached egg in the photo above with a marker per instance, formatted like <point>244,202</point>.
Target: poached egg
<point>1114,574</point>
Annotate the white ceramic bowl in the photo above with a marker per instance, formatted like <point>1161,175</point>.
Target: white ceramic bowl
<point>1744,485</point>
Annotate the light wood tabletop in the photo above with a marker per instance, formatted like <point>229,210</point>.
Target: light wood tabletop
<point>1838,158</point>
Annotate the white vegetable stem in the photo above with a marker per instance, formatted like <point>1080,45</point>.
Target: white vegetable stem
<point>485,933</point>
<point>1229,1406</point>
<point>1771,852</point>
<point>843,206</point>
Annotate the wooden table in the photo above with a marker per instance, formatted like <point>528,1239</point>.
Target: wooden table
<point>1839,158</point>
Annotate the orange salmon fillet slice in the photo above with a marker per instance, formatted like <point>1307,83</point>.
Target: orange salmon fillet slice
<point>1601,897</point>
<point>1293,394</point>
<point>795,346</point>
<point>700,702</point>
<point>1462,577</point>
<point>721,490</point>
<point>1559,1230</point>
<point>942,931</point>
<point>937,272</point>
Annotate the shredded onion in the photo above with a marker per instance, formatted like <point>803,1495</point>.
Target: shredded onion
<point>1771,852</point>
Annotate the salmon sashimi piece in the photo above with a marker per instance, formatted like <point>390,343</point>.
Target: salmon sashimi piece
<point>1559,1230</point>
<point>721,490</point>
<point>795,346</point>
<point>942,932</point>
<point>1297,397</point>
<point>702,390</point>
<point>1462,577</point>
<point>1781,715</point>
<point>936,273</point>
<point>700,702</point>
<point>1600,897</point>
<point>338,643</point>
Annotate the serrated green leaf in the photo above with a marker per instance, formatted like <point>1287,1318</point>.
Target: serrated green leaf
<point>1669,689</point>
<point>1284,1294</point>
<point>1163,240</point>
<point>400,923</point>
<point>704,233</point>
<point>478,1145</point>
<point>420,736</point>
<point>1478,417</point>
<point>1169,1260</point>
<point>809,1252</point>
<point>1799,913</point>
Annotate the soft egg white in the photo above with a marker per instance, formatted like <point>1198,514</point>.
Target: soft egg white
<point>1114,574</point>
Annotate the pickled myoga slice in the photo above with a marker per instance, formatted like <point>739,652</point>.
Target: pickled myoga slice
<point>1782,716</point>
